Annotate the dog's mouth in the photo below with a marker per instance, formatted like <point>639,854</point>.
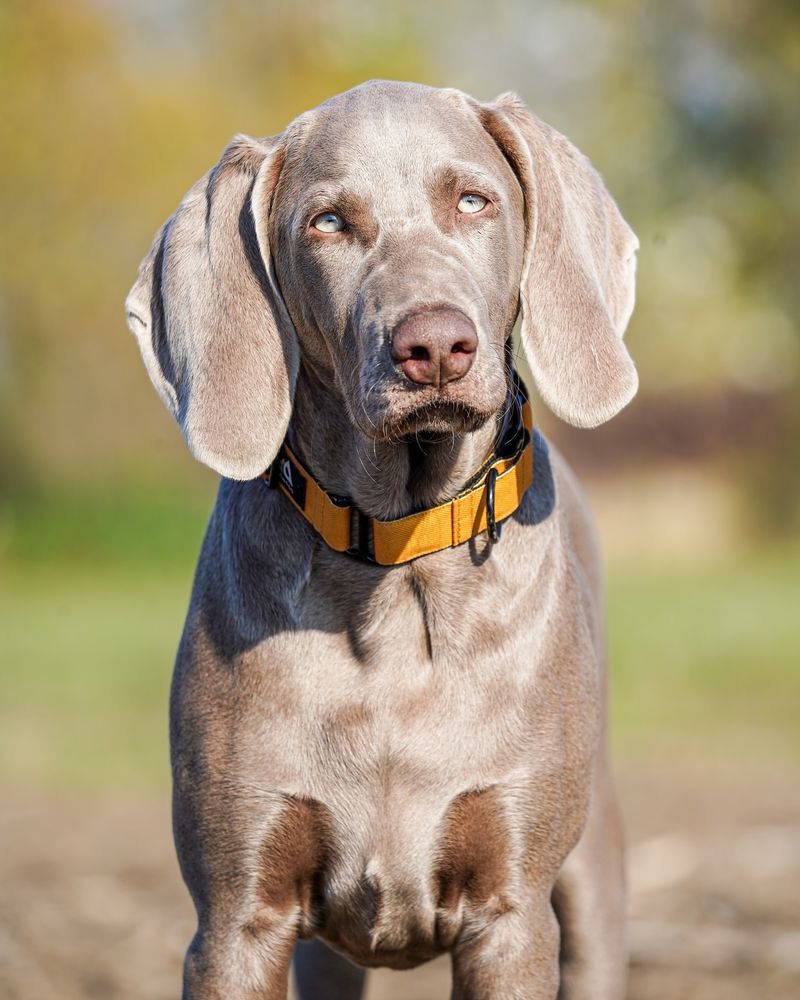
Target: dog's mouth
<point>433,419</point>
<point>389,410</point>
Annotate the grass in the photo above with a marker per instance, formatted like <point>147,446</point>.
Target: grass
<point>93,592</point>
<point>85,678</point>
<point>704,658</point>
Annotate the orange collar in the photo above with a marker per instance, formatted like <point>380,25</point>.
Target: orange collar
<point>491,496</point>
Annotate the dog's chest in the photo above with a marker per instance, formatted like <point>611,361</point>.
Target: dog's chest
<point>421,693</point>
<point>407,739</point>
<point>425,678</point>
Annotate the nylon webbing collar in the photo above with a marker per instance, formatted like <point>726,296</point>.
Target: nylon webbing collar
<point>492,495</point>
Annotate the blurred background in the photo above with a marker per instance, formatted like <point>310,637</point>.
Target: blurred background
<point>112,109</point>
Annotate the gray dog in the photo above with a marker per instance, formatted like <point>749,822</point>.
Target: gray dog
<point>387,721</point>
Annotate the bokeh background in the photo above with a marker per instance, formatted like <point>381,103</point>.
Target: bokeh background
<point>111,109</point>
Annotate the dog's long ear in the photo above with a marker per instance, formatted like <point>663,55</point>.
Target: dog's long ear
<point>577,287</point>
<point>214,333</point>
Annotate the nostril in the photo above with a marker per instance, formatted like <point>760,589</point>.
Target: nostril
<point>461,347</point>
<point>420,353</point>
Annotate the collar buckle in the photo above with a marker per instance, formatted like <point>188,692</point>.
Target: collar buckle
<point>360,536</point>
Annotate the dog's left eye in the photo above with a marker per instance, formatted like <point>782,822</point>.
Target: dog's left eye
<point>469,204</point>
<point>328,222</point>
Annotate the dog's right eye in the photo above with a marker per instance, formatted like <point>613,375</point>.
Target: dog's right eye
<point>328,222</point>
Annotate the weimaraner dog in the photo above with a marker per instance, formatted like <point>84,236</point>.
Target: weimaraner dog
<point>384,750</point>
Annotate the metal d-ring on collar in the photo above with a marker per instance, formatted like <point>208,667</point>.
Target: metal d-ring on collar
<point>493,529</point>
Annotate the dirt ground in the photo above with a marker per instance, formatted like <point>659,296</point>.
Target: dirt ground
<point>91,904</point>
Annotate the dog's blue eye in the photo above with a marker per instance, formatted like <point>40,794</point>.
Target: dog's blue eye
<point>469,204</point>
<point>328,222</point>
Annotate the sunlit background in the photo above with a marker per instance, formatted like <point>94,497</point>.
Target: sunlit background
<point>690,110</point>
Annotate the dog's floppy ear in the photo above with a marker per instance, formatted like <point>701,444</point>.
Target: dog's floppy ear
<point>577,287</point>
<point>214,333</point>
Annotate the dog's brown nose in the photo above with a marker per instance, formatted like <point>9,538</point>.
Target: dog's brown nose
<point>435,346</point>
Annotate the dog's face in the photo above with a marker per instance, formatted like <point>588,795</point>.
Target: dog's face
<point>387,239</point>
<point>397,233</point>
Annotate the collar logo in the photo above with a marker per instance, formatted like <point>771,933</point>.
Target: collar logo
<point>286,474</point>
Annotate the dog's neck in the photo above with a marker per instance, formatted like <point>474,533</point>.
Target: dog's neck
<point>385,479</point>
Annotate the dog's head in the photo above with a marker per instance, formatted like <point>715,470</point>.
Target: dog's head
<point>388,240</point>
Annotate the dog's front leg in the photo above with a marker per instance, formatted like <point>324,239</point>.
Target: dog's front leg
<point>240,963</point>
<point>513,958</point>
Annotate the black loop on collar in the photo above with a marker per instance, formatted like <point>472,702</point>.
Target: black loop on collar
<point>492,527</point>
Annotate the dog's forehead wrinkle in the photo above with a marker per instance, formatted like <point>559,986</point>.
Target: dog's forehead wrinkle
<point>396,156</point>
<point>393,130</point>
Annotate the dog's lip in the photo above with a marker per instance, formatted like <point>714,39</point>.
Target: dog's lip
<point>440,416</point>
